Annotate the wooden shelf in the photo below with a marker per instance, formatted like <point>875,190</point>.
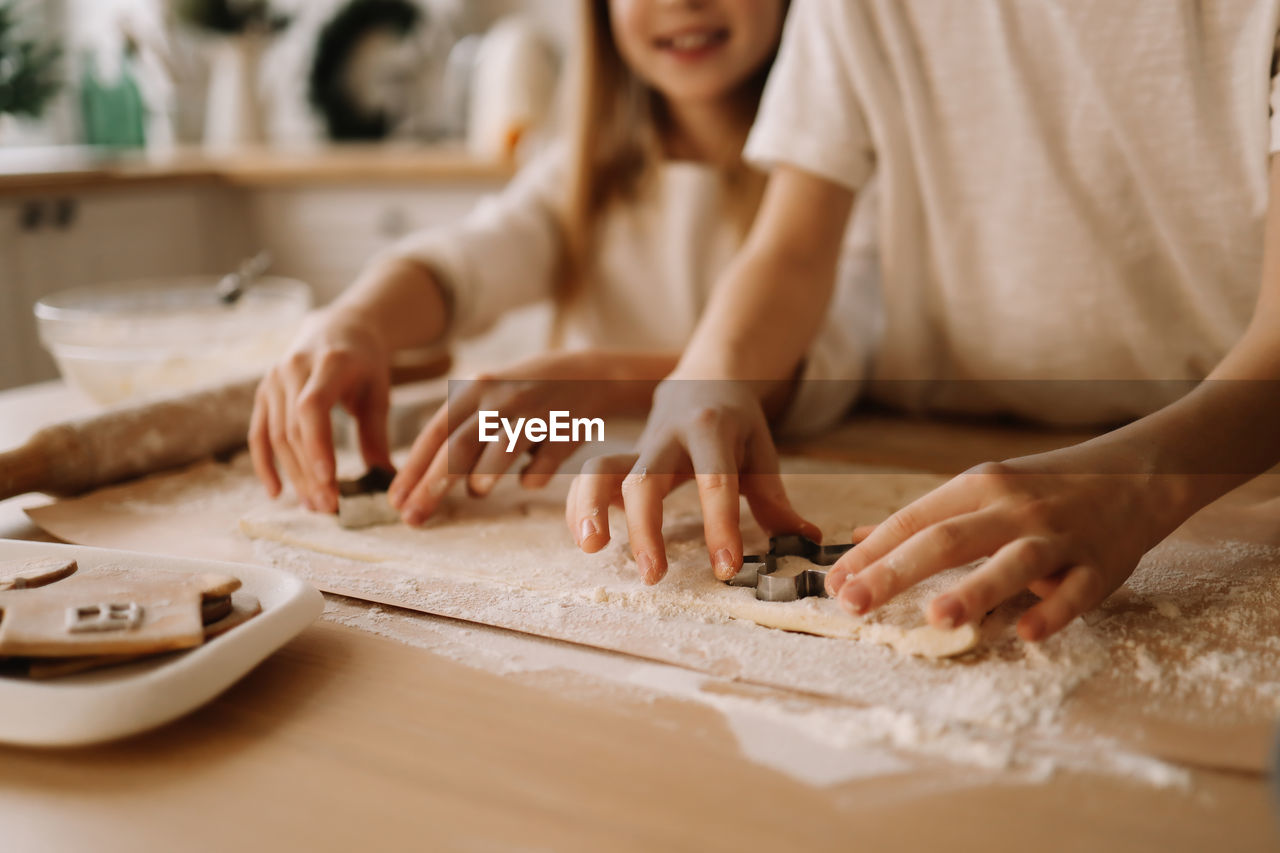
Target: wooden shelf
<point>74,169</point>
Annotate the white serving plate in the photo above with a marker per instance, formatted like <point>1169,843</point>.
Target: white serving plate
<point>120,701</point>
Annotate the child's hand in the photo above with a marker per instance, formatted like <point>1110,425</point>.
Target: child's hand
<point>449,448</point>
<point>334,361</point>
<point>716,428</point>
<point>1050,524</point>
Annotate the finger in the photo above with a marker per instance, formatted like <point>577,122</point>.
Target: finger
<point>1045,587</point>
<point>546,461</point>
<point>861,533</point>
<point>1013,568</point>
<point>721,523</point>
<point>449,467</point>
<point>767,496</point>
<point>292,381</point>
<point>945,545</point>
<point>952,499</point>
<point>280,446</point>
<point>312,441</point>
<point>642,496</point>
<point>495,459</point>
<point>598,487</point>
<point>461,404</point>
<point>372,413</point>
<point>314,406</point>
<point>716,473</point>
<point>1082,589</point>
<point>425,449</point>
<point>260,445</point>
<point>570,504</point>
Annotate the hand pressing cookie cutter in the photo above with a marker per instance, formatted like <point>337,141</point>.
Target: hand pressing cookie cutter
<point>777,578</point>
<point>363,502</point>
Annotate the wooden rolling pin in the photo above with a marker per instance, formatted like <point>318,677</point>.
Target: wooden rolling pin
<point>78,456</point>
<point>131,441</point>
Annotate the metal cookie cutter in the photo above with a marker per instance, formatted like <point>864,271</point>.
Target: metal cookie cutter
<point>794,568</point>
<point>374,481</point>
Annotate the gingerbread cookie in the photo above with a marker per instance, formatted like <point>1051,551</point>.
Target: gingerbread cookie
<point>30,574</point>
<point>214,608</point>
<point>116,611</point>
<point>363,503</point>
<point>244,608</point>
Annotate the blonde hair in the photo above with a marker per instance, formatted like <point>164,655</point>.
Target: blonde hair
<point>615,140</point>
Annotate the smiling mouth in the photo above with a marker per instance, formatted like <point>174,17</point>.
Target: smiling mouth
<point>693,42</point>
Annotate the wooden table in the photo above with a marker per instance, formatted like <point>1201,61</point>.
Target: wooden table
<point>344,740</point>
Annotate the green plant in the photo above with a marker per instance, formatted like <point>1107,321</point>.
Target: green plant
<point>231,17</point>
<point>28,70</point>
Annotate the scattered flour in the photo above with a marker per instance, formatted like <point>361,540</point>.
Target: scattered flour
<point>816,741</point>
<point>1193,638</point>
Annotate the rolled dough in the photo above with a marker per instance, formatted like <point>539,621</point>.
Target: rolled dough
<point>516,540</point>
<point>360,511</point>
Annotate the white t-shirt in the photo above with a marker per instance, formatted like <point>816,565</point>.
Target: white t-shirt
<point>1072,192</point>
<point>651,276</point>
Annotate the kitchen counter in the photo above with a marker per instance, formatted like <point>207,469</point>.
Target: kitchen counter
<point>349,739</point>
<point>75,169</point>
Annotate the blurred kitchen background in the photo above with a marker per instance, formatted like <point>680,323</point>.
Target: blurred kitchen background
<point>154,141</point>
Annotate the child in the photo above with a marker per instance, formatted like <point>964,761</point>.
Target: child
<point>1069,191</point>
<point>627,226</point>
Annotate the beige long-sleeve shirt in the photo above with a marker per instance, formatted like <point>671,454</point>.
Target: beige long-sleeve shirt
<point>1072,192</point>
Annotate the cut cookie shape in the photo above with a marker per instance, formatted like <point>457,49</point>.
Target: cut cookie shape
<point>30,574</point>
<point>117,611</point>
<point>363,502</point>
<point>245,608</point>
<point>795,569</point>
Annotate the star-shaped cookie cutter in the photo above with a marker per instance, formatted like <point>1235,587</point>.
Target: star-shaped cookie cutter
<point>776,582</point>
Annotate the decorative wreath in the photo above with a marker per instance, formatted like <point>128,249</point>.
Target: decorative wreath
<point>339,39</point>
<point>232,17</point>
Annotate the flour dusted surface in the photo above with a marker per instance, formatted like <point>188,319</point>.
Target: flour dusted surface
<point>515,540</point>
<point>1190,640</point>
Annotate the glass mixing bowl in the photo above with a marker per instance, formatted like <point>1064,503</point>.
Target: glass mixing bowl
<point>140,338</point>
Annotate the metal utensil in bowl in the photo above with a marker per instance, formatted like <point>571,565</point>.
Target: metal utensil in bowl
<point>233,285</point>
